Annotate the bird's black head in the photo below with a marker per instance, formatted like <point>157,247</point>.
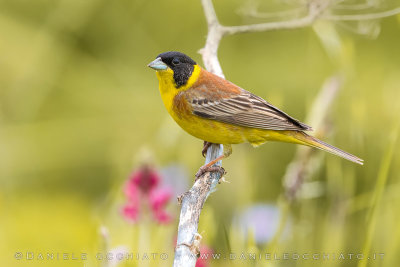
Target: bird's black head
<point>181,65</point>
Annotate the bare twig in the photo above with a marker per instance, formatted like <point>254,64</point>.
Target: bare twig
<point>214,36</point>
<point>367,16</point>
<point>192,203</point>
<point>369,28</point>
<point>252,12</point>
<point>355,6</point>
<point>298,169</point>
<point>193,200</point>
<point>315,9</point>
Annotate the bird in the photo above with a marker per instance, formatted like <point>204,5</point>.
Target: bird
<point>217,111</point>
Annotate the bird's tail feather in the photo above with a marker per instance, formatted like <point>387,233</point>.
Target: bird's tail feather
<point>308,140</point>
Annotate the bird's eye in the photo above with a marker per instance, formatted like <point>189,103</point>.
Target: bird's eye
<point>175,61</point>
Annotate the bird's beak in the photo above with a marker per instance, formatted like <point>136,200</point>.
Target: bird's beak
<point>157,64</point>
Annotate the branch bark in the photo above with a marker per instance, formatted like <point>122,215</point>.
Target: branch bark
<point>188,240</point>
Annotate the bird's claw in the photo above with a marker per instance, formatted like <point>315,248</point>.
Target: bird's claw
<point>206,145</point>
<point>204,169</point>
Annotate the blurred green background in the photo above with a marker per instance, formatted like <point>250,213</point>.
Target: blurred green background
<point>78,107</point>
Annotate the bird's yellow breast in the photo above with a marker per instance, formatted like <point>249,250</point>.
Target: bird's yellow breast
<point>167,86</point>
<point>204,129</point>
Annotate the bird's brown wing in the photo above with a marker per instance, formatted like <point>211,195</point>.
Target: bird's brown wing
<point>217,99</point>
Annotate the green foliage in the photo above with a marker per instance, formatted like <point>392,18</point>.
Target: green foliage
<point>77,105</point>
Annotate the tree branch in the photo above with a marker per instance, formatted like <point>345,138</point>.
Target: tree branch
<point>315,9</point>
<point>188,240</point>
<point>362,6</point>
<point>299,168</point>
<point>367,16</point>
<point>214,36</point>
<point>295,12</point>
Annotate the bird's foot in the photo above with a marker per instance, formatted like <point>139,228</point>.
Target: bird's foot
<point>206,145</point>
<point>205,168</point>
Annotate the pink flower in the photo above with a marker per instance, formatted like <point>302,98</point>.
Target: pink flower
<point>145,179</point>
<point>159,198</point>
<point>130,211</point>
<point>205,256</point>
<point>142,186</point>
<point>131,191</point>
<point>162,216</point>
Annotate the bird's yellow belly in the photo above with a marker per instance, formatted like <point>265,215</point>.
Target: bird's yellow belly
<point>220,132</point>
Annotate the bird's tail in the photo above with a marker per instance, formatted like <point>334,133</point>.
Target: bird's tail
<point>308,140</point>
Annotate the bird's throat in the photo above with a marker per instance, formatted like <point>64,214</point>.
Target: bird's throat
<point>167,81</point>
<point>167,85</point>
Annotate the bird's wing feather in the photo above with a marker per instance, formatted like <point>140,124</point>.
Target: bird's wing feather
<point>233,105</point>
